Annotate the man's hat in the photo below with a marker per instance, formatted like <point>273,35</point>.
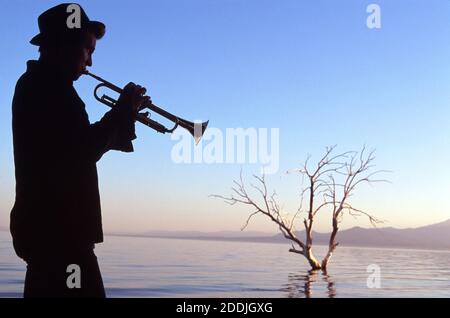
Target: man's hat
<point>58,21</point>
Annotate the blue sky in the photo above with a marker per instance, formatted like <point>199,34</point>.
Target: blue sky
<point>310,68</point>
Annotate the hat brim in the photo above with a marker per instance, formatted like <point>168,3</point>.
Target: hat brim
<point>95,27</point>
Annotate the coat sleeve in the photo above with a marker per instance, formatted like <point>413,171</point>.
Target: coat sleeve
<point>115,131</point>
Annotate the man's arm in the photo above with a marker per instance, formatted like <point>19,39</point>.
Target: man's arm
<point>52,126</point>
<point>116,129</point>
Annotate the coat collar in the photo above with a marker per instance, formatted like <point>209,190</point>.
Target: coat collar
<point>50,72</point>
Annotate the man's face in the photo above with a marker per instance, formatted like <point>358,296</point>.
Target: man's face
<point>80,56</point>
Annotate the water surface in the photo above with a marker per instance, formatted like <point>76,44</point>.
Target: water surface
<point>155,267</point>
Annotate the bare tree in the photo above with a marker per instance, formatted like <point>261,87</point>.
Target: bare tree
<point>330,184</point>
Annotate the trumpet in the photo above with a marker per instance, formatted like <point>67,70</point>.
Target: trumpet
<point>195,129</point>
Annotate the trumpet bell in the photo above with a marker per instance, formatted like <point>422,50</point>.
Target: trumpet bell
<point>195,129</point>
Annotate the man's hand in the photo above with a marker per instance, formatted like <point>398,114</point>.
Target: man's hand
<point>133,98</point>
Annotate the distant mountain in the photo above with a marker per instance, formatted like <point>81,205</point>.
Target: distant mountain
<point>224,234</point>
<point>220,235</point>
<point>435,236</point>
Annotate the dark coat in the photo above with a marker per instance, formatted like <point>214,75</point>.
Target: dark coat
<point>55,153</point>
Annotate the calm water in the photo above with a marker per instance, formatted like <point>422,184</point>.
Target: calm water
<point>149,267</point>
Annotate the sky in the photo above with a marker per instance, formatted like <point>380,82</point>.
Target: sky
<point>311,69</point>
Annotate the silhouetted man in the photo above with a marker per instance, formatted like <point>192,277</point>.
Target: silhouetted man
<point>56,218</point>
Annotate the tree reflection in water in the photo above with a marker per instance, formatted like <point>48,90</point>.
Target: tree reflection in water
<point>301,285</point>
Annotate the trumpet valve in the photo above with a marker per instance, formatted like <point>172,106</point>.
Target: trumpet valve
<point>145,114</point>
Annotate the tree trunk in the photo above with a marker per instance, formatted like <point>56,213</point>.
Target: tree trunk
<point>327,259</point>
<point>313,262</point>
<point>331,244</point>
